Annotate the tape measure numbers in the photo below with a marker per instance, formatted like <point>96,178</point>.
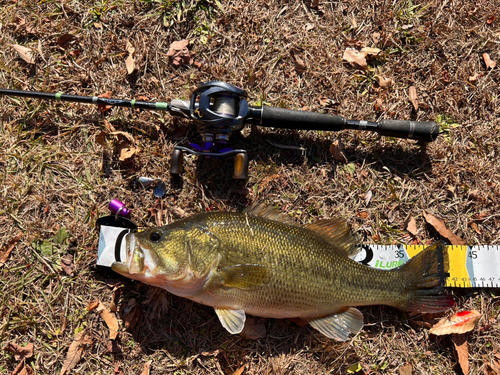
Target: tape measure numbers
<point>470,266</point>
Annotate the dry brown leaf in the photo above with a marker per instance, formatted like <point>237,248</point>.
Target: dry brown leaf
<point>460,342</point>
<point>129,61</point>
<point>337,150</point>
<point>118,370</point>
<point>461,322</point>
<point>299,62</point>
<point>67,264</point>
<point>179,53</point>
<point>147,366</point>
<point>114,346</point>
<point>128,136</point>
<point>92,305</point>
<point>127,152</point>
<point>406,369</point>
<point>474,77</point>
<point>442,230</point>
<point>20,352</point>
<point>412,92</point>
<point>490,64</point>
<point>353,56</point>
<point>370,52</point>
<point>105,108</point>
<point>385,83</point>
<point>25,53</point>
<point>110,320</point>
<point>254,328</point>
<point>239,371</point>
<point>376,37</point>
<point>75,352</point>
<point>7,249</point>
<point>411,226</point>
<point>64,41</point>
<point>131,314</point>
<point>23,369</point>
<point>379,105</point>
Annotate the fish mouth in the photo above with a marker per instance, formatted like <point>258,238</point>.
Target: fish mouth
<point>140,263</point>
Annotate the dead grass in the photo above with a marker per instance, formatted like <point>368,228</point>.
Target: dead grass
<point>55,174</point>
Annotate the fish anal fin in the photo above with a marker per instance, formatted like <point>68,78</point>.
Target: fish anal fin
<point>337,233</point>
<point>232,320</point>
<point>244,276</point>
<point>339,326</point>
<point>266,211</point>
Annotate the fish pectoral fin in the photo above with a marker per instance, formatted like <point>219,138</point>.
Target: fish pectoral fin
<point>244,276</point>
<point>338,326</point>
<point>232,320</point>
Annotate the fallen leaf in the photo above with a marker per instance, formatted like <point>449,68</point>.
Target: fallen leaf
<point>7,249</point>
<point>362,214</point>
<point>105,108</point>
<point>368,197</point>
<point>64,41</point>
<point>131,314</point>
<point>239,371</point>
<point>412,92</point>
<point>385,83</point>
<point>370,52</point>
<point>178,52</point>
<point>300,65</point>
<point>490,64</point>
<point>129,61</point>
<point>379,105</point>
<point>474,77</point>
<point>411,226</point>
<point>147,366</point>
<point>353,56</point>
<point>67,264</point>
<point>442,230</point>
<point>376,37</point>
<point>337,150</point>
<point>23,369</point>
<point>490,20</point>
<point>462,348</point>
<point>92,305</point>
<point>254,328</point>
<point>20,352</point>
<point>406,369</point>
<point>25,53</point>
<point>461,322</point>
<point>118,370</point>
<point>127,153</point>
<point>110,320</point>
<point>177,211</point>
<point>75,352</point>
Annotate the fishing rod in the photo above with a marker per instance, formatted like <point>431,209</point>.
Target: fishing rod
<point>218,109</point>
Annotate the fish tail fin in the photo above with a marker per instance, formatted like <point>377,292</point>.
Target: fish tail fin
<point>424,273</point>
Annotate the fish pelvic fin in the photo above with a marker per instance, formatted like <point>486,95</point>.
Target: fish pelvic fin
<point>232,320</point>
<point>336,233</point>
<point>424,272</point>
<point>339,326</point>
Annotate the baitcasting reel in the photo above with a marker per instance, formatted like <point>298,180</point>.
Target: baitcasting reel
<point>218,108</point>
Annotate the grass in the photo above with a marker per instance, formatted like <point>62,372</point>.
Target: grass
<point>57,176</point>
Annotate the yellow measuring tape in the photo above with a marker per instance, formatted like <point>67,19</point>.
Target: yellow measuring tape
<point>470,266</point>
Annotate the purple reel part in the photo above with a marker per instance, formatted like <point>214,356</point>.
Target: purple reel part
<point>117,207</point>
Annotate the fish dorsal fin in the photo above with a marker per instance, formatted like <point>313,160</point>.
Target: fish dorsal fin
<point>232,320</point>
<point>244,276</point>
<point>339,326</point>
<point>266,211</point>
<point>337,233</point>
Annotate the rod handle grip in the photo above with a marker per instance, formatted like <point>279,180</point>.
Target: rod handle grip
<point>426,131</point>
<point>302,120</point>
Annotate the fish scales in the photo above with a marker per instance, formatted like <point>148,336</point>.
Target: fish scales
<point>259,263</point>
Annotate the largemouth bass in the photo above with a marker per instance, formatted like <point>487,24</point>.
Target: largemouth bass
<point>262,263</point>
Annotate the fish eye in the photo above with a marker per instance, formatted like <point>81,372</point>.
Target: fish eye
<point>155,236</point>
